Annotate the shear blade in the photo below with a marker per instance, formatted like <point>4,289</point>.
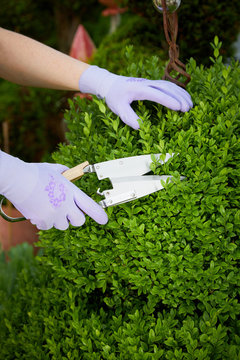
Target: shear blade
<point>129,188</point>
<point>129,166</point>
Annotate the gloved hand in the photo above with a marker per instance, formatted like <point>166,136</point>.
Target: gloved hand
<point>43,195</point>
<point>120,91</point>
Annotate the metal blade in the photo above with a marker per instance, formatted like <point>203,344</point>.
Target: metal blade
<point>129,188</point>
<point>129,166</point>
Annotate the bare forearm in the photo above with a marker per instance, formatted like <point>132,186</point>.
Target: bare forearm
<point>25,61</point>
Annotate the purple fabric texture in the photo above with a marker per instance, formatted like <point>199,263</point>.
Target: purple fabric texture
<point>44,196</point>
<point>120,91</point>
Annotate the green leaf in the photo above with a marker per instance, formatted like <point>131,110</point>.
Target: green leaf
<point>102,107</point>
<point>216,53</point>
<point>216,41</point>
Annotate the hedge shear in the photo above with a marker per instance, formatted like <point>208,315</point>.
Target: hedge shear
<point>125,175</point>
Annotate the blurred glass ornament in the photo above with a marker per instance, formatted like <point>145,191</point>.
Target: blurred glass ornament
<point>172,5</point>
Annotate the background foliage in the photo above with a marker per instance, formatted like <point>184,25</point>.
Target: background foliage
<point>134,30</point>
<point>52,22</point>
<point>161,279</point>
<point>11,264</point>
<point>35,118</point>
<point>199,22</point>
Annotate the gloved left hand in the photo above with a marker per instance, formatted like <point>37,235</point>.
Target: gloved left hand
<point>120,91</point>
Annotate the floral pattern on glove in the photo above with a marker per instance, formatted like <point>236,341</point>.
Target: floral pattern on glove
<point>56,192</point>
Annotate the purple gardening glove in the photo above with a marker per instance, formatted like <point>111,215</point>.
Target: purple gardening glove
<point>44,196</point>
<point>120,91</point>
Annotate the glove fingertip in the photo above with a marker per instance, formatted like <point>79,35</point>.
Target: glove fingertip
<point>61,226</point>
<point>186,106</point>
<point>133,124</point>
<point>41,224</point>
<point>90,207</point>
<point>103,219</point>
<point>98,214</point>
<point>77,218</point>
<point>130,118</point>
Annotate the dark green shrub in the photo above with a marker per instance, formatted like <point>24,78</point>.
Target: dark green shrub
<point>161,279</point>
<point>14,262</point>
<point>53,22</point>
<point>11,263</point>
<point>31,18</point>
<point>199,22</point>
<point>133,31</point>
<point>22,286</point>
<point>34,117</point>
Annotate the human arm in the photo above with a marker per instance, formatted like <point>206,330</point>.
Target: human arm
<point>28,62</point>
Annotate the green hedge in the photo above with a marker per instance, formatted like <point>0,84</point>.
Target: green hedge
<point>161,279</point>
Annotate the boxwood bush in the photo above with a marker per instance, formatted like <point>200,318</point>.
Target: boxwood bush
<point>161,279</point>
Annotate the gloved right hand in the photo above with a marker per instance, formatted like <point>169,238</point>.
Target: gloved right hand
<point>44,196</point>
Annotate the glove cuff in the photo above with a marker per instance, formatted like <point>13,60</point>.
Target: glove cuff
<point>96,81</point>
<point>13,174</point>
